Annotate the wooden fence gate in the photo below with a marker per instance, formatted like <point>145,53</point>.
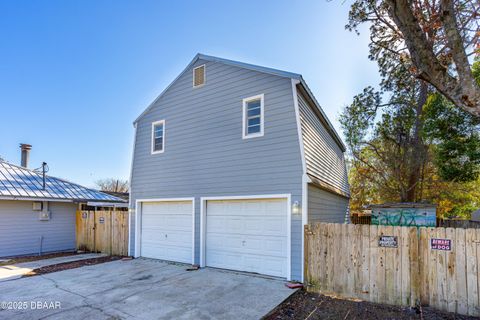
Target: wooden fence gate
<point>103,231</point>
<point>404,266</point>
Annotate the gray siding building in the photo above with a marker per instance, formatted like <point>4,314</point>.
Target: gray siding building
<point>229,163</point>
<point>38,217</point>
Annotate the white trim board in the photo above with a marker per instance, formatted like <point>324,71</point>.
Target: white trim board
<point>130,188</point>
<point>162,122</point>
<point>305,178</point>
<point>203,219</point>
<point>138,220</point>
<point>204,75</point>
<point>245,134</point>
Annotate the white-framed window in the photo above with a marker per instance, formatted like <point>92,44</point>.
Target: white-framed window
<point>199,76</point>
<point>253,116</point>
<point>158,136</point>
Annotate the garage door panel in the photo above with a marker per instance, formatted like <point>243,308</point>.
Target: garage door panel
<point>266,226</point>
<point>170,222</point>
<point>167,230</point>
<point>247,235</point>
<point>167,207</point>
<point>181,238</point>
<point>271,266</point>
<point>228,260</point>
<point>254,245</point>
<point>248,225</point>
<point>232,225</point>
<point>257,207</point>
<point>168,253</point>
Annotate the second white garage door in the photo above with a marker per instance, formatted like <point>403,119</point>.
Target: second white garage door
<point>247,235</point>
<point>167,230</point>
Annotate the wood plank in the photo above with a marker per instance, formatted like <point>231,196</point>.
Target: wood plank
<point>365,262</point>
<point>451,270</point>
<point>397,265</point>
<point>404,246</point>
<point>442,303</point>
<point>321,262</point>
<point>308,276</point>
<point>390,261</point>
<point>472,272</point>
<point>373,263</point>
<point>414,269</point>
<point>338,270</point>
<point>330,282</point>
<point>432,279</point>
<point>358,252</point>
<point>79,231</point>
<point>324,255</point>
<point>91,231</point>
<point>424,267</point>
<point>461,271</point>
<point>382,294</point>
<point>351,241</point>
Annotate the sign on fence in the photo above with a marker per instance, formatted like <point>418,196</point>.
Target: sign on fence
<point>388,242</point>
<point>441,244</point>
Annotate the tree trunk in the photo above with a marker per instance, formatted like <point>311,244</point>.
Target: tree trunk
<point>462,90</point>
<point>418,148</point>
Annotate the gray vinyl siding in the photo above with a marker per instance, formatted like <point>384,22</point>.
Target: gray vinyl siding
<point>325,206</point>
<point>323,155</point>
<point>205,154</point>
<point>20,229</point>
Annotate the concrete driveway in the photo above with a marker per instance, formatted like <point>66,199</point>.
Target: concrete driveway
<point>141,288</point>
<point>15,271</point>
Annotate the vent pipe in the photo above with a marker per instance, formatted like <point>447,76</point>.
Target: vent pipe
<point>25,154</point>
<point>44,170</point>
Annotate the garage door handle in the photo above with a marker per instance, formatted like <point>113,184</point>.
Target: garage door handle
<point>166,236</point>
<point>243,243</point>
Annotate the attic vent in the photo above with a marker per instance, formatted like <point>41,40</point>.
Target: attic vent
<point>199,76</point>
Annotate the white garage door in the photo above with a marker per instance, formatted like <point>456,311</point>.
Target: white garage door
<point>247,235</point>
<point>167,230</point>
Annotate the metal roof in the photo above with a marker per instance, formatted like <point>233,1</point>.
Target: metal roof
<point>254,67</point>
<point>18,183</point>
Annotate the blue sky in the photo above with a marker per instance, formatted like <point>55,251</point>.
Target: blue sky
<point>75,74</point>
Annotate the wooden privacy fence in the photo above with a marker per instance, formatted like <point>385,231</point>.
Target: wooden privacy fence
<point>447,223</point>
<point>403,266</point>
<point>103,231</point>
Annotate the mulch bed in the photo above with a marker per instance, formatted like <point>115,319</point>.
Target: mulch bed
<point>71,265</point>
<point>15,260</point>
<point>309,305</point>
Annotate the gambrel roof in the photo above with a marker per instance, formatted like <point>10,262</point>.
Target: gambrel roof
<point>19,183</point>
<point>272,71</point>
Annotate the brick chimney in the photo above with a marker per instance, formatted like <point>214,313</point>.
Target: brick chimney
<point>25,154</point>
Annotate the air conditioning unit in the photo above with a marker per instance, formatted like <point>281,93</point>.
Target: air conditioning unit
<point>37,206</point>
<point>44,216</point>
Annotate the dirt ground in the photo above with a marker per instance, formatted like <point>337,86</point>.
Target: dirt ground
<point>15,260</point>
<point>71,265</point>
<point>307,305</point>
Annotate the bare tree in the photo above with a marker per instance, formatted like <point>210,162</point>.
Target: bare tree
<point>112,185</point>
<point>436,38</point>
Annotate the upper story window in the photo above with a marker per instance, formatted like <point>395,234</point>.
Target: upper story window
<point>158,136</point>
<point>253,117</point>
<point>199,76</point>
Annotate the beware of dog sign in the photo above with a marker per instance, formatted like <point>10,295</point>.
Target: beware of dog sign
<point>441,244</point>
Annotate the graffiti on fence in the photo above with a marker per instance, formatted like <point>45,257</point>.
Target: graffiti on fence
<point>413,217</point>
